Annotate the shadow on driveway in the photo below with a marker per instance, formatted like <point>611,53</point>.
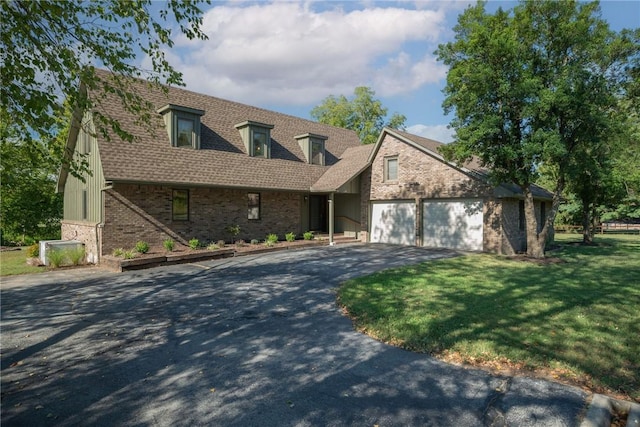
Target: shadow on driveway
<point>254,340</point>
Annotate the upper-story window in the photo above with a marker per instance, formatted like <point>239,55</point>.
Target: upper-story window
<point>256,138</point>
<point>391,168</point>
<point>312,146</point>
<point>183,125</point>
<point>186,132</point>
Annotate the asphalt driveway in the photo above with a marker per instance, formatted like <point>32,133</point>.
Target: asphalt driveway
<point>255,340</point>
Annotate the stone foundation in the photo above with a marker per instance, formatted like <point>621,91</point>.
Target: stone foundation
<point>87,233</point>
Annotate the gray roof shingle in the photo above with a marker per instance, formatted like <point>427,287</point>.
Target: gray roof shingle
<point>353,161</point>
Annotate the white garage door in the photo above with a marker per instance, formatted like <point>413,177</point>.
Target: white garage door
<point>393,222</point>
<point>452,224</point>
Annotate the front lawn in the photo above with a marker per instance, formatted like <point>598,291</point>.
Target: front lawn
<point>15,262</point>
<point>576,320</point>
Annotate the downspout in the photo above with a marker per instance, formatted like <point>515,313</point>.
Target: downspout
<point>331,219</point>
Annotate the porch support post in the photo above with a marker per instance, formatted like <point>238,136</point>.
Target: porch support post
<point>331,219</point>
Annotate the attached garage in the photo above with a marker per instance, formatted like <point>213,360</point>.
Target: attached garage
<point>393,222</point>
<point>453,224</point>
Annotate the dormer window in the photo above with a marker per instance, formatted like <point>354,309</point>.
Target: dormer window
<point>312,146</point>
<point>256,137</point>
<point>183,125</point>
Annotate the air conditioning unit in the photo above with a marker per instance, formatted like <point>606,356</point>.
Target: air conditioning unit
<point>56,245</point>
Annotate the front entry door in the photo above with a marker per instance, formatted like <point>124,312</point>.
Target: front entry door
<point>318,213</point>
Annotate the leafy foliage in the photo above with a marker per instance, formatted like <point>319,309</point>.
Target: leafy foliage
<point>142,247</point>
<point>308,235</point>
<point>290,237</point>
<point>168,244</point>
<point>30,206</point>
<point>194,244</point>
<point>49,47</point>
<point>363,114</point>
<point>534,86</point>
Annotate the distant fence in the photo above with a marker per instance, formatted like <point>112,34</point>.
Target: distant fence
<point>604,228</point>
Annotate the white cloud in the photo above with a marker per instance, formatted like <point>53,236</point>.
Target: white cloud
<point>291,54</point>
<point>440,133</point>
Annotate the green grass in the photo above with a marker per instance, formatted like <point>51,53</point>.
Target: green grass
<point>577,320</point>
<point>15,262</point>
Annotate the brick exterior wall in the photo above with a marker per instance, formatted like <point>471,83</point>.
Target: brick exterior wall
<point>85,232</point>
<point>144,212</point>
<point>422,177</point>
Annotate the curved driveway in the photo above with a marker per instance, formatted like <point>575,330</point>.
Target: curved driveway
<point>248,341</point>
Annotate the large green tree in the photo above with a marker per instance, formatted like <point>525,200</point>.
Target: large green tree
<point>529,86</point>
<point>29,204</point>
<point>363,114</point>
<point>48,47</point>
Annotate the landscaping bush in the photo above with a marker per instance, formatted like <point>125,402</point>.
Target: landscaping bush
<point>76,255</point>
<point>290,237</point>
<point>142,247</point>
<point>213,246</point>
<point>255,241</point>
<point>234,230</point>
<point>271,240</point>
<point>56,257</point>
<point>221,243</point>
<point>241,243</point>
<point>308,235</point>
<point>129,254</point>
<point>194,243</point>
<point>118,252</point>
<point>168,244</point>
<point>33,251</point>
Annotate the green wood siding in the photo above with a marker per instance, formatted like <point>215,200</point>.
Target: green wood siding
<point>83,200</point>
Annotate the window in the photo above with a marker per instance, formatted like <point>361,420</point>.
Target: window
<point>85,205</point>
<point>521,220</point>
<point>317,152</point>
<point>254,206</point>
<point>256,137</point>
<point>185,132</point>
<point>87,142</point>
<point>183,125</point>
<point>259,144</point>
<point>312,146</point>
<point>391,169</point>
<point>180,205</point>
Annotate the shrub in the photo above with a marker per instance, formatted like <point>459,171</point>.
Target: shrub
<point>56,257</point>
<point>221,243</point>
<point>76,255</point>
<point>129,254</point>
<point>142,247</point>
<point>255,241</point>
<point>213,246</point>
<point>241,243</point>
<point>118,252</point>
<point>168,244</point>
<point>33,251</point>
<point>272,238</point>
<point>290,237</point>
<point>234,230</point>
<point>194,243</point>
<point>308,235</point>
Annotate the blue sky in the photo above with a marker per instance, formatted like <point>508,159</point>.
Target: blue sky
<point>288,56</point>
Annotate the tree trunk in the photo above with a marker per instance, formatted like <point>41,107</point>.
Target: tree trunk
<point>535,241</point>
<point>587,235</point>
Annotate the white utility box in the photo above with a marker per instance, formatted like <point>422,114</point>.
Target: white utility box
<point>56,245</point>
